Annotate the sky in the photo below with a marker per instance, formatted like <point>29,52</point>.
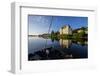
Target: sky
<point>39,24</point>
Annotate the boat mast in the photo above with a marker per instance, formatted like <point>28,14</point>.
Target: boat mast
<point>49,29</point>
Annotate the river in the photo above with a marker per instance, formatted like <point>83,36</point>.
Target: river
<point>47,49</point>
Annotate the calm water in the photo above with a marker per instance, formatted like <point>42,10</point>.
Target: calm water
<point>47,49</point>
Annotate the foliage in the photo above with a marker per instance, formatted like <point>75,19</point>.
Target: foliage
<point>75,36</point>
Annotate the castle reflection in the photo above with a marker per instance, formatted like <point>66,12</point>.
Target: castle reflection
<point>65,43</point>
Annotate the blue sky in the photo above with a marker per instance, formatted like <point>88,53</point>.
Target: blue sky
<point>40,24</point>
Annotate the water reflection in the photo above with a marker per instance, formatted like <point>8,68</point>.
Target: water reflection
<point>56,49</point>
<point>65,43</point>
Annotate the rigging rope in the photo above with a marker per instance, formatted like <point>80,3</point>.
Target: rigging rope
<point>49,29</point>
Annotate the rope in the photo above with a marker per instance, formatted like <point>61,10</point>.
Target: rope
<point>49,29</point>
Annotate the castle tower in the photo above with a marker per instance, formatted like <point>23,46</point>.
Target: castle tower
<point>66,30</point>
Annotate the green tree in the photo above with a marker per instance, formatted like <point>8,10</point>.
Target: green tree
<point>52,32</point>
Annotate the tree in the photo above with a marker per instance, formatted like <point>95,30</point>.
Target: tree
<point>52,33</point>
<point>57,33</point>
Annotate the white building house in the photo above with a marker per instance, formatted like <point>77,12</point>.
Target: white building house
<point>66,30</point>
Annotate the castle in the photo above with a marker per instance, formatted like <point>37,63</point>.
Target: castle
<point>66,30</point>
